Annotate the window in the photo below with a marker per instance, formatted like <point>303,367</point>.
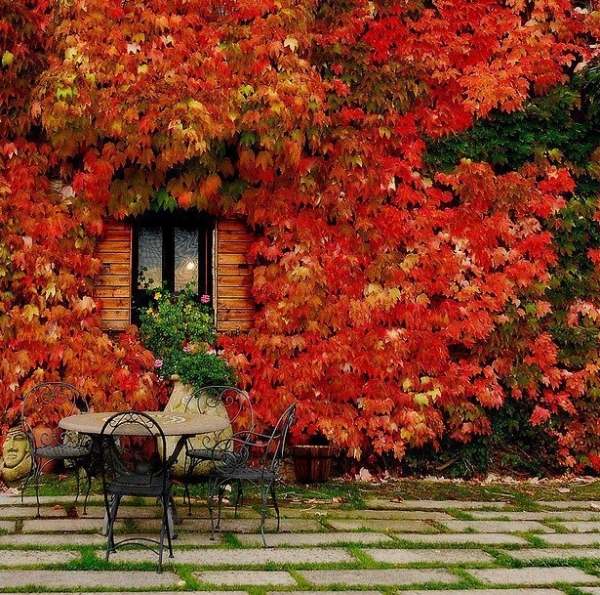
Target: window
<point>171,250</point>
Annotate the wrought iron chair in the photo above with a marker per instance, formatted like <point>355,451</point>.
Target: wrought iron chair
<point>56,399</point>
<point>238,406</point>
<point>253,458</point>
<point>125,474</point>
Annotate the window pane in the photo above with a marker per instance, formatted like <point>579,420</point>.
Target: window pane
<point>186,258</point>
<point>150,250</point>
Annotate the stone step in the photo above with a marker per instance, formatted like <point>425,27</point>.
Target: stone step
<point>432,556</point>
<point>533,576</point>
<point>36,557</point>
<point>519,591</point>
<point>462,538</point>
<point>553,553</point>
<point>524,515</point>
<point>393,515</point>
<point>381,525</point>
<point>381,503</point>
<point>408,576</point>
<point>248,577</point>
<point>56,579</point>
<point>581,526</point>
<point>244,557</point>
<point>308,539</point>
<point>95,539</point>
<point>570,504</point>
<point>571,538</point>
<point>497,526</point>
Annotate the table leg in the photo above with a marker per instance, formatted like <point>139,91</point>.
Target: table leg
<point>172,518</point>
<point>113,504</point>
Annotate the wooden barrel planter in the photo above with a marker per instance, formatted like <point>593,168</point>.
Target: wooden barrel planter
<point>312,463</point>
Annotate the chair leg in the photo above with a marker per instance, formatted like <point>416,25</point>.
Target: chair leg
<point>36,485</point>
<point>275,504</point>
<point>78,480</point>
<point>212,484</point>
<point>169,503</point>
<point>239,498</point>
<point>263,511</point>
<point>88,475</point>
<point>112,517</point>
<point>164,528</point>
<point>220,504</point>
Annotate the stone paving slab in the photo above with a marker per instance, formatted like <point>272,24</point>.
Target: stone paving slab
<point>381,503</point>
<point>33,558</point>
<point>49,539</point>
<point>524,515</point>
<point>307,539</point>
<point>581,526</point>
<point>248,577</point>
<point>380,525</point>
<point>497,526</point>
<point>65,525</point>
<point>125,512</point>
<point>519,591</point>
<point>568,504</point>
<point>142,593</point>
<point>571,538</point>
<point>92,539</point>
<point>240,557</point>
<point>533,576</point>
<point>8,526</point>
<point>553,553</point>
<point>444,556</point>
<point>345,592</point>
<point>235,525</point>
<point>462,538</point>
<point>591,590</point>
<point>393,515</point>
<point>357,578</point>
<point>53,579</point>
<point>30,512</point>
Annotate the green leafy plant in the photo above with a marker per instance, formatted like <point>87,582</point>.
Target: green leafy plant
<point>179,329</point>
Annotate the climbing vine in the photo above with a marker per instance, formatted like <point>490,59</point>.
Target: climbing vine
<point>403,169</point>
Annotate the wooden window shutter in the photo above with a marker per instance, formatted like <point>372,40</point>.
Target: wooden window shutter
<point>233,280</point>
<point>113,286</point>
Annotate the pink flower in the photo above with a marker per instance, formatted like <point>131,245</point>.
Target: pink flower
<point>158,363</point>
<point>205,298</point>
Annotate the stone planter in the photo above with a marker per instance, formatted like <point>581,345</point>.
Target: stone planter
<point>181,395</point>
<point>312,463</point>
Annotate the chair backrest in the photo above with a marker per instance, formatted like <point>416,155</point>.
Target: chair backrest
<point>122,449</point>
<point>241,447</point>
<point>49,402</point>
<point>235,400</point>
<point>275,447</point>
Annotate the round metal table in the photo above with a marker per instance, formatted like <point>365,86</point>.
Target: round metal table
<point>181,425</point>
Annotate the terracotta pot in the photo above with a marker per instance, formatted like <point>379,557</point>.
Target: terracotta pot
<point>46,436</point>
<point>312,463</point>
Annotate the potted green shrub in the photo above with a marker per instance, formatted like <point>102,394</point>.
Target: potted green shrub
<point>179,329</point>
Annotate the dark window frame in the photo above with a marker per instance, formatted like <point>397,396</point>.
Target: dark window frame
<point>205,225</point>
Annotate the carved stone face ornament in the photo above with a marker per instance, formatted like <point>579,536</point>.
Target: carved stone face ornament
<point>16,456</point>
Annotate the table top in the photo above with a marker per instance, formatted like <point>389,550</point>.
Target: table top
<point>171,423</point>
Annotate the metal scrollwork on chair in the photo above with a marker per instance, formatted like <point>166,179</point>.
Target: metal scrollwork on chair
<point>200,450</point>
<point>124,474</point>
<point>253,458</point>
<point>54,400</point>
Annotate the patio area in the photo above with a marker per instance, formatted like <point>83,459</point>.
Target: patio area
<point>380,544</point>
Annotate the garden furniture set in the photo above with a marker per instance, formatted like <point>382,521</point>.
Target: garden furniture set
<point>130,452</point>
